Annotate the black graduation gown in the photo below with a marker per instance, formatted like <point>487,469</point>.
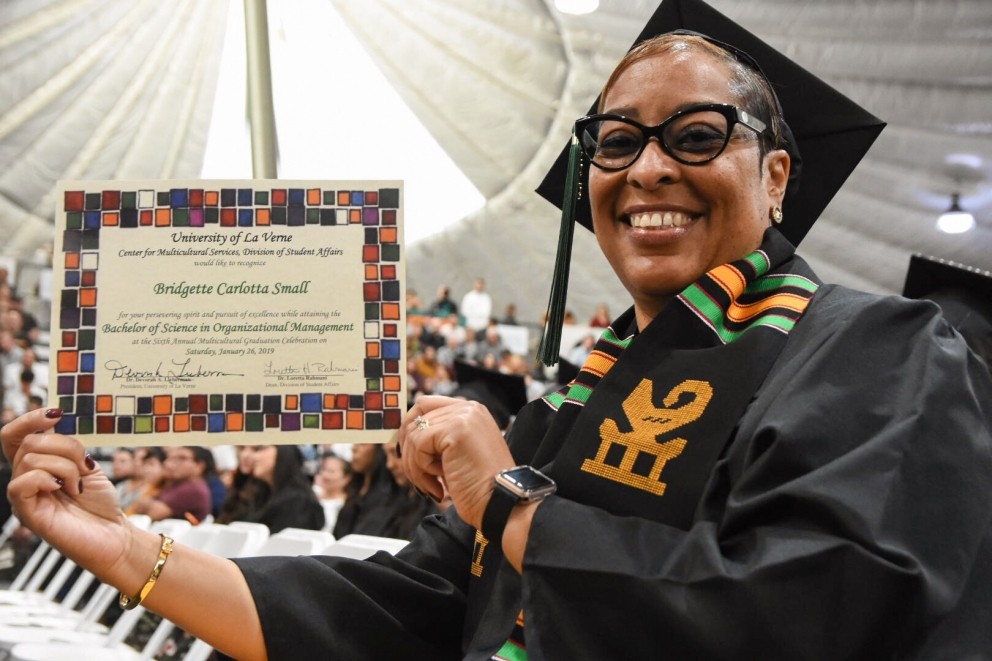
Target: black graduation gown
<point>292,507</point>
<point>848,517</point>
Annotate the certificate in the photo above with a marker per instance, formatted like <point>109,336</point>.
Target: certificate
<point>229,312</point>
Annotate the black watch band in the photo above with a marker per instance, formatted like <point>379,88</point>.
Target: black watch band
<point>494,519</point>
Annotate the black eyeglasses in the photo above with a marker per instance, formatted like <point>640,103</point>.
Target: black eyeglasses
<point>692,136</point>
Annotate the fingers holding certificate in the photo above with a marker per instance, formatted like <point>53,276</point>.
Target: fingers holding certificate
<point>229,310</point>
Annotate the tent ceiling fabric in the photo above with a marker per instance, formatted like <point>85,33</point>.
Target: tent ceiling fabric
<point>924,66</point>
<point>102,89</point>
<point>99,89</point>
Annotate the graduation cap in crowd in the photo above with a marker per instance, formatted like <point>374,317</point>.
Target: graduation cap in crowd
<point>964,294</point>
<point>503,394</point>
<point>826,137</point>
<point>567,371</point>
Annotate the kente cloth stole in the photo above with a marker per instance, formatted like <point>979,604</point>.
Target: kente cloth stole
<point>639,429</point>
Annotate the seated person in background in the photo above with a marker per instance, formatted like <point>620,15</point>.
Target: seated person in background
<point>286,499</point>
<point>409,507</point>
<point>149,477</point>
<point>443,306</point>
<point>185,493</point>
<point>330,485</point>
<point>218,490</point>
<point>371,494</point>
<point>244,491</point>
<point>582,349</point>
<point>425,368</point>
<point>601,317</point>
<point>23,380</point>
<point>122,465</point>
<point>510,315</point>
<point>490,345</point>
<point>454,347</point>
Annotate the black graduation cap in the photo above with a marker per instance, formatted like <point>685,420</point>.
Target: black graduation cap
<point>503,394</point>
<point>964,294</point>
<point>830,132</point>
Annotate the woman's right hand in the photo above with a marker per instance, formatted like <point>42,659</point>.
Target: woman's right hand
<point>62,495</point>
<point>58,491</point>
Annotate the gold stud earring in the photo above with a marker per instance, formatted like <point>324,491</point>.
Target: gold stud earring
<point>776,215</point>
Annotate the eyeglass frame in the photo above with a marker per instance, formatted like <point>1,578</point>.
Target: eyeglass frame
<point>733,114</point>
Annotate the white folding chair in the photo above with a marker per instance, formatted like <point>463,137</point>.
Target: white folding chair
<point>38,625</point>
<point>286,542</point>
<point>174,528</point>
<point>80,646</point>
<point>320,538</point>
<point>198,651</point>
<point>19,584</point>
<point>15,604</point>
<point>29,590</point>
<point>9,526</point>
<point>363,546</point>
<point>259,533</point>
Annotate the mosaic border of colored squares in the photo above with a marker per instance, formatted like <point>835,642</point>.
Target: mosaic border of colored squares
<point>87,213</point>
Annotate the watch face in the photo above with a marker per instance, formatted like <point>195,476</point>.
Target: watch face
<point>526,482</point>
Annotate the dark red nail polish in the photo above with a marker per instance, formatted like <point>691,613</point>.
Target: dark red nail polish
<point>59,481</point>
<point>53,413</point>
<point>90,464</point>
<point>80,485</point>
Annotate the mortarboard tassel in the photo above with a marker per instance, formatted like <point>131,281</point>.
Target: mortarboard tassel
<point>551,339</point>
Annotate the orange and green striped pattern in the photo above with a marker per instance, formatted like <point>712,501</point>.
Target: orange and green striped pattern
<point>734,298</point>
<point>608,348</point>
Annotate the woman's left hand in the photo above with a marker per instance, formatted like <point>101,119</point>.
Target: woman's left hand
<point>460,443</point>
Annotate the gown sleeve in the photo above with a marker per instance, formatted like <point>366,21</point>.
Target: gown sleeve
<point>849,517</point>
<point>408,606</point>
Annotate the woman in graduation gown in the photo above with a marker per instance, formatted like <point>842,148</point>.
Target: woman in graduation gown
<point>751,464</point>
<point>286,499</point>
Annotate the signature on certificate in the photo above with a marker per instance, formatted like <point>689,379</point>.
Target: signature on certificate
<point>179,371</point>
<point>309,367</point>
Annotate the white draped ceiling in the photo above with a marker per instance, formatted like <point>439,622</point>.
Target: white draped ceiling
<point>103,89</point>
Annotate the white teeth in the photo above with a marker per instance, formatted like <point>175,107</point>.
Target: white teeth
<point>657,219</point>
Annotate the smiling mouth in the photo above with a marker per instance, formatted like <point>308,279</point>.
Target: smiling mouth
<point>659,219</point>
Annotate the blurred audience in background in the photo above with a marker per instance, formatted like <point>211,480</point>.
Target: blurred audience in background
<point>122,465</point>
<point>372,493</point>
<point>331,484</point>
<point>601,317</point>
<point>344,488</point>
<point>185,493</point>
<point>284,497</point>
<point>149,476</point>
<point>408,506</point>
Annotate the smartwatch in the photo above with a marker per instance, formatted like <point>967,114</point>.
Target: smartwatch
<point>514,486</point>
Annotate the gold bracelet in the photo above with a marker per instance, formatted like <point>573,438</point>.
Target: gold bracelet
<point>126,602</point>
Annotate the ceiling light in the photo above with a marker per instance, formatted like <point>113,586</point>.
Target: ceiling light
<point>955,220</point>
<point>576,6</point>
